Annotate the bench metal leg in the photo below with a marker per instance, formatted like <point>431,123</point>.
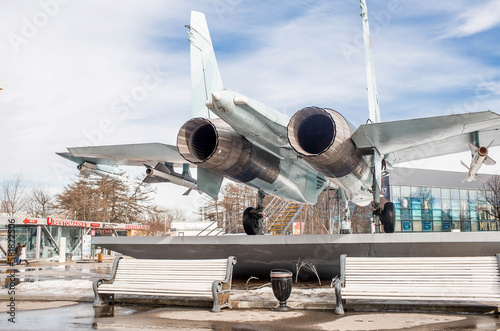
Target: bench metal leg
<point>104,299</point>
<point>98,299</point>
<point>216,288</point>
<point>221,296</point>
<point>101,298</point>
<point>339,310</point>
<point>221,289</point>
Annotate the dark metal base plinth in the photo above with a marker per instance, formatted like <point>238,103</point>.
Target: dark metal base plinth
<point>282,308</point>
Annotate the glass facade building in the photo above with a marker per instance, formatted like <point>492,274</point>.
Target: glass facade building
<point>42,236</point>
<point>428,200</point>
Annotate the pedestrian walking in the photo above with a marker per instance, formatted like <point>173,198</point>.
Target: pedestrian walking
<point>22,257</point>
<point>17,252</point>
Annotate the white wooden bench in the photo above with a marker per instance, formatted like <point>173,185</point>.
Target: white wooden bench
<point>435,280</point>
<point>197,279</point>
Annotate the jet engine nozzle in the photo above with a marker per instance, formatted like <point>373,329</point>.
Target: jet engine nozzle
<point>323,137</point>
<point>212,144</point>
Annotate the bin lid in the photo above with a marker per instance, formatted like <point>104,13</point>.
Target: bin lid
<point>281,273</point>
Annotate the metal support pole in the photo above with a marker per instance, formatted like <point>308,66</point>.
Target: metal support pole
<point>38,241</point>
<point>51,238</point>
<point>82,232</point>
<point>377,181</point>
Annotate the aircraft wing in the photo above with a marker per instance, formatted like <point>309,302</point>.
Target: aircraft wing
<point>127,155</point>
<point>407,140</point>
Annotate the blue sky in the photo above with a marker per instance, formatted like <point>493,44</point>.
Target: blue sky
<point>68,67</point>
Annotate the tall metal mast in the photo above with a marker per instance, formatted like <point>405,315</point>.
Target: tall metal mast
<point>373,106</point>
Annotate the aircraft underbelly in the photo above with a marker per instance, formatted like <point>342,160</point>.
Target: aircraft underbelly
<point>355,188</point>
<point>294,182</point>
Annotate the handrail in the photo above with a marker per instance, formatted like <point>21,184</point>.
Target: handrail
<point>206,228</point>
<point>286,209</point>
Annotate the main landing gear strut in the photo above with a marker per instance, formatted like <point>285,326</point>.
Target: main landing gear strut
<point>387,214</point>
<point>253,218</point>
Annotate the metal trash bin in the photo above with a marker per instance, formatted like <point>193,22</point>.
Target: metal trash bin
<point>281,282</point>
<point>100,257</point>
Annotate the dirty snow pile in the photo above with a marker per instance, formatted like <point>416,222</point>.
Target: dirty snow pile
<point>73,287</point>
<point>266,294</point>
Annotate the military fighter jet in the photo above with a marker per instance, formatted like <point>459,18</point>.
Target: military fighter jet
<point>234,136</point>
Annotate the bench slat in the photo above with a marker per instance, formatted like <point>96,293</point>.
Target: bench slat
<point>424,259</point>
<point>461,300</point>
<point>160,293</point>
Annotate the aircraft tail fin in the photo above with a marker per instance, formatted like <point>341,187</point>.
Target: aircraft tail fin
<point>205,76</point>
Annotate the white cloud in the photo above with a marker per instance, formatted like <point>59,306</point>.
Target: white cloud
<point>477,18</point>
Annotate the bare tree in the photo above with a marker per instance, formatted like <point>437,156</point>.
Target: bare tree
<point>105,199</point>
<point>138,200</point>
<point>12,195</point>
<point>360,219</point>
<point>39,202</point>
<point>79,199</point>
<point>490,196</point>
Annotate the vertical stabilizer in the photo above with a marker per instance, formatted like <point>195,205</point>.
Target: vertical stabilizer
<point>370,71</point>
<point>205,76</point>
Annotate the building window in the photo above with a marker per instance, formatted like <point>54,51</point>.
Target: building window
<point>441,209</point>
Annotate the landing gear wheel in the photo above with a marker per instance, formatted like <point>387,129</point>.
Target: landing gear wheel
<point>251,222</point>
<point>388,217</point>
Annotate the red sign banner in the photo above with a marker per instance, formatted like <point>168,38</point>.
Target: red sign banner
<point>27,221</point>
<point>67,223</point>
